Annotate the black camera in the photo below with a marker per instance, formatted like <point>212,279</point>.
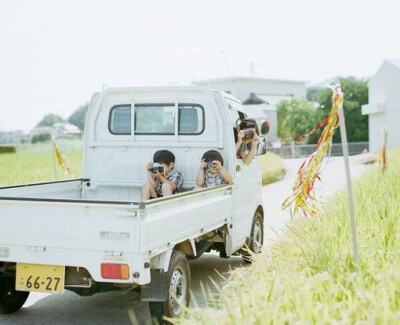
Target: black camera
<point>211,165</point>
<point>157,168</point>
<point>248,134</point>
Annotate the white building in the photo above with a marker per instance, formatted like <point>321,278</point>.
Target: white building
<point>242,87</point>
<point>59,130</point>
<point>63,129</point>
<point>259,96</point>
<point>11,136</point>
<point>383,109</point>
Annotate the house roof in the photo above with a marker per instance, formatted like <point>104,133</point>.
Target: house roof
<point>395,62</point>
<point>67,127</point>
<point>259,110</point>
<point>238,78</point>
<point>272,100</point>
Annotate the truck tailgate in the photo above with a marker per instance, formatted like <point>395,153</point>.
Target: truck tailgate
<point>62,232</point>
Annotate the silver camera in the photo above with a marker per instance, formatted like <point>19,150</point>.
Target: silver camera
<point>211,165</point>
<point>248,134</point>
<point>157,168</point>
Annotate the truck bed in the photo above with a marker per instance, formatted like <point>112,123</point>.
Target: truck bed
<point>51,224</point>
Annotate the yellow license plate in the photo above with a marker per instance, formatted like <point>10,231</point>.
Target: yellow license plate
<point>41,278</point>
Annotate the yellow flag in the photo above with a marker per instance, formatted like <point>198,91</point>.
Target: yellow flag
<point>62,159</point>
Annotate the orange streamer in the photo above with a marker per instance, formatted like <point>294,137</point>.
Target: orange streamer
<point>382,154</point>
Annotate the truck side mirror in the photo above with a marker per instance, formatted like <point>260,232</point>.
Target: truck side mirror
<point>262,146</point>
<point>264,126</point>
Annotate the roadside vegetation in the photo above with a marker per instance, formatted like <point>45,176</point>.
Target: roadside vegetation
<point>308,276</point>
<point>272,168</point>
<point>34,163</point>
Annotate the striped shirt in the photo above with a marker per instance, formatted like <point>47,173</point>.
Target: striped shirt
<point>211,180</point>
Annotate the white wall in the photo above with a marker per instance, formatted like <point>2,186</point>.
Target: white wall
<point>384,90</point>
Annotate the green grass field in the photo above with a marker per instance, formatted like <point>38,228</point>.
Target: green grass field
<point>34,163</point>
<point>308,276</point>
<point>272,168</point>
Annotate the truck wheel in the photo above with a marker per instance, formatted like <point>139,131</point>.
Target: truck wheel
<point>10,299</point>
<point>178,284</point>
<point>256,239</point>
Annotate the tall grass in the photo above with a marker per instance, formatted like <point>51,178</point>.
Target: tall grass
<point>308,276</point>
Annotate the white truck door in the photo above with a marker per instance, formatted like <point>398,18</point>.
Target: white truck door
<point>247,186</point>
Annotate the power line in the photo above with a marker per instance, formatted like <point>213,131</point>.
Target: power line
<point>81,31</point>
<point>44,100</point>
<point>68,23</point>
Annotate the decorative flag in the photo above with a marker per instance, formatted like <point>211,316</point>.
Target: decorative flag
<point>310,169</point>
<point>382,153</point>
<point>61,158</point>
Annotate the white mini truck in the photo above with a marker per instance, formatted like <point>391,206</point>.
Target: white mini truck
<point>95,234</point>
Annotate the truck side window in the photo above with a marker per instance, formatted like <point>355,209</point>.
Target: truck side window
<point>191,119</point>
<point>120,120</point>
<point>157,119</point>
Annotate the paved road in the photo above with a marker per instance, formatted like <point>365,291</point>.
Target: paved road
<point>114,307</point>
<point>333,179</point>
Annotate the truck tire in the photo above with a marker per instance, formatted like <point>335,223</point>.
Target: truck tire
<point>256,239</point>
<point>178,284</point>
<point>10,299</point>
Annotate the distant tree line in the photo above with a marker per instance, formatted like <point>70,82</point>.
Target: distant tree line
<point>76,118</point>
<point>298,116</point>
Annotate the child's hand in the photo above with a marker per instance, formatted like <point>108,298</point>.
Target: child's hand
<point>203,164</point>
<point>256,139</point>
<point>149,167</point>
<point>240,136</point>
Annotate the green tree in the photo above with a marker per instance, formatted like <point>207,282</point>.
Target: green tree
<point>355,95</point>
<point>78,117</point>
<point>312,93</point>
<point>297,117</point>
<point>50,119</point>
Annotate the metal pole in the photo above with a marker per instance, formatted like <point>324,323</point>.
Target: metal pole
<point>348,177</point>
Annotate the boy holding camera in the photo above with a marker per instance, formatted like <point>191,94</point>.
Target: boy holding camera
<point>247,140</point>
<point>212,172</point>
<point>163,179</point>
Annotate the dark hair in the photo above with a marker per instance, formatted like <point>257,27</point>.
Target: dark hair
<point>211,155</point>
<point>164,156</point>
<point>248,123</point>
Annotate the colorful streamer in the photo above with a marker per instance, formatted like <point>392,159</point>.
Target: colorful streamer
<point>61,158</point>
<point>310,169</point>
<point>320,125</point>
<point>382,153</point>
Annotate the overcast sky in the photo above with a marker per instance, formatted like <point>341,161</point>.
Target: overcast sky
<point>55,54</point>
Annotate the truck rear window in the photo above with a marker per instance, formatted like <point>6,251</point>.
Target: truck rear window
<point>157,119</point>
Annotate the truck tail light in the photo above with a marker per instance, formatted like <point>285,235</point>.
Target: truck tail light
<point>115,271</point>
